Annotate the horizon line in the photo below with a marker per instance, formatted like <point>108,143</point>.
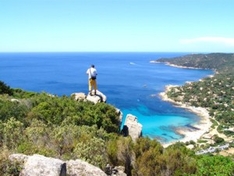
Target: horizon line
<point>112,52</point>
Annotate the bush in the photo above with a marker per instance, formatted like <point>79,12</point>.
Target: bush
<point>218,140</point>
<point>7,167</point>
<point>215,165</point>
<point>4,89</point>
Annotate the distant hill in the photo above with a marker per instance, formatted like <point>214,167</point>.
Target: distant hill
<point>213,93</point>
<point>221,62</point>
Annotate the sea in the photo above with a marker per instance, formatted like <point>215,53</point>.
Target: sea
<point>130,81</point>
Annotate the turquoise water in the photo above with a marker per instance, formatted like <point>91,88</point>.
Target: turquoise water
<point>129,80</point>
<point>161,126</point>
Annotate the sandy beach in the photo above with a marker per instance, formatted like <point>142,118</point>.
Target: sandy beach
<point>197,129</point>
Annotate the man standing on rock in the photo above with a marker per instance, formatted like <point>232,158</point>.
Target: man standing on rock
<point>92,75</point>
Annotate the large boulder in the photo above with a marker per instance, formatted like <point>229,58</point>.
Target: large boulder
<point>78,96</point>
<point>78,167</point>
<point>99,97</point>
<point>38,165</point>
<point>132,127</point>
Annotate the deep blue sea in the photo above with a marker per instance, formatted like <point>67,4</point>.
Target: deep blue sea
<point>129,80</point>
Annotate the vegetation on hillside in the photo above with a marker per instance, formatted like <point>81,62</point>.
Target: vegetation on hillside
<point>221,62</point>
<point>63,128</point>
<point>215,93</point>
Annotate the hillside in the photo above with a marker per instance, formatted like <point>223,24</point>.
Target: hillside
<point>221,62</point>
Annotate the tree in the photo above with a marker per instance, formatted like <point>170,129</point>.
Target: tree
<point>180,160</point>
<point>4,89</point>
<point>125,153</point>
<point>149,158</point>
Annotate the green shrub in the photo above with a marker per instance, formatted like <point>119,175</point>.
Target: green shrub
<point>7,167</point>
<point>4,89</point>
<point>218,140</point>
<point>215,165</point>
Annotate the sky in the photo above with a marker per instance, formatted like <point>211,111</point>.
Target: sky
<point>117,26</point>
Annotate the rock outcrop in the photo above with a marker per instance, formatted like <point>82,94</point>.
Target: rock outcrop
<point>78,167</point>
<point>79,96</point>
<point>99,97</point>
<point>132,127</point>
<point>38,165</point>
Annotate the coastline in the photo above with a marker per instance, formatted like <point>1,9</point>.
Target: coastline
<point>197,130</point>
<point>178,66</point>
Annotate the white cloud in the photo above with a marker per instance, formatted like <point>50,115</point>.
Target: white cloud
<point>210,40</point>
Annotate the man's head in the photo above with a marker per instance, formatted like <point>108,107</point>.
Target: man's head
<point>92,66</point>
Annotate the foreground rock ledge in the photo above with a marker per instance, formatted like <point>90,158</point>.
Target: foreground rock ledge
<point>38,165</point>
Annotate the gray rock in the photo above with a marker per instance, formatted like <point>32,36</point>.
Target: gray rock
<point>38,165</point>
<point>78,167</point>
<point>99,97</point>
<point>134,128</point>
<point>120,171</point>
<point>15,100</point>
<point>79,96</point>
<point>18,157</point>
<point>115,171</point>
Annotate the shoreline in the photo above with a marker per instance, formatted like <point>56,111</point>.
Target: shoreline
<point>198,129</point>
<point>178,66</point>
<point>174,65</point>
